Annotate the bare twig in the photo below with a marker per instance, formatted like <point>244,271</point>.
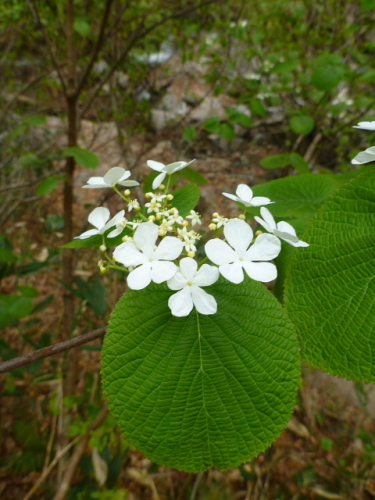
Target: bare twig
<point>76,457</point>
<point>26,359</point>
<point>46,471</point>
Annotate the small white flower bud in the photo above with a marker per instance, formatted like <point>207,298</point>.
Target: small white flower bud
<point>258,233</point>
<point>212,227</point>
<point>162,232</point>
<point>215,214</point>
<point>127,192</point>
<point>170,197</point>
<point>102,248</point>
<point>159,216</point>
<point>149,195</point>
<point>185,223</point>
<point>191,254</point>
<point>103,269</point>
<point>162,187</point>
<point>151,217</point>
<point>242,217</point>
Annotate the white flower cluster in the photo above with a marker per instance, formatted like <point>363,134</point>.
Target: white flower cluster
<point>146,261</point>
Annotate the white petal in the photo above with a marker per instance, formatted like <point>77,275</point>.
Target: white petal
<point>219,252</point>
<point>231,196</point>
<point>114,175</point>
<point>129,255</point>
<point>140,277</point>
<point>365,125</point>
<point>162,271</point>
<point>238,234</point>
<point>203,301</point>
<point>115,232</point>
<point>117,218</point>
<point>244,192</point>
<point>128,183</point>
<point>126,175</point>
<point>266,247</point>
<point>365,156</point>
<point>232,272</point>
<point>87,234</point>
<point>169,248</point>
<point>260,271</point>
<point>99,217</point>
<point>96,182</point>
<point>299,243</point>
<point>155,165</point>
<point>181,303</point>
<point>188,268</point>
<point>158,180</point>
<point>145,237</point>
<point>206,276</point>
<point>260,200</point>
<point>268,218</point>
<point>285,227</point>
<point>174,167</point>
<point>177,282</point>
<point>264,224</point>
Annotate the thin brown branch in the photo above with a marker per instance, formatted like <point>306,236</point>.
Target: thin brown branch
<point>97,48</point>
<point>76,457</point>
<point>51,350</point>
<point>56,63</point>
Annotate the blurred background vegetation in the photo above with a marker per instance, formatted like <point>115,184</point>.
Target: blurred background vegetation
<point>255,90</point>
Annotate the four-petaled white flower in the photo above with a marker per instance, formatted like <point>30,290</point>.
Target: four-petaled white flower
<point>99,219</point>
<point>237,255</point>
<point>282,229</point>
<point>188,279</point>
<point>365,157</point>
<point>165,169</point>
<point>245,196</point>
<point>365,125</point>
<point>154,263</point>
<point>115,175</point>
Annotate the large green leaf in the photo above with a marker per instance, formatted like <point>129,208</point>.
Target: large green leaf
<point>201,391</point>
<point>82,156</point>
<point>186,198</point>
<point>297,196</point>
<point>330,289</point>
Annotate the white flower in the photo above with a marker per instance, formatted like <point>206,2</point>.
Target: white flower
<point>365,157</point>
<point>195,217</point>
<point>245,196</point>
<point>165,169</point>
<point>365,125</point>
<point>120,222</point>
<point>219,220</point>
<point>234,256</point>
<point>133,205</point>
<point>151,261</point>
<point>115,175</point>
<point>282,229</point>
<point>189,280</point>
<point>98,218</point>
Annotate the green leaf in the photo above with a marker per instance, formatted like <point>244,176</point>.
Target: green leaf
<point>7,255</point>
<point>212,125</point>
<point>285,67</point>
<point>367,5</point>
<point>299,163</point>
<point>302,124</point>
<point>189,133</point>
<point>93,291</point>
<point>186,199</point>
<point>275,161</point>
<point>29,159</point>
<point>226,131</point>
<point>257,108</point>
<point>192,175</point>
<point>369,76</point>
<point>84,157</point>
<point>297,196</point>
<point>28,291</point>
<point>330,289</point>
<point>19,306</point>
<point>327,77</point>
<point>82,27</point>
<point>48,185</point>
<point>201,391</point>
